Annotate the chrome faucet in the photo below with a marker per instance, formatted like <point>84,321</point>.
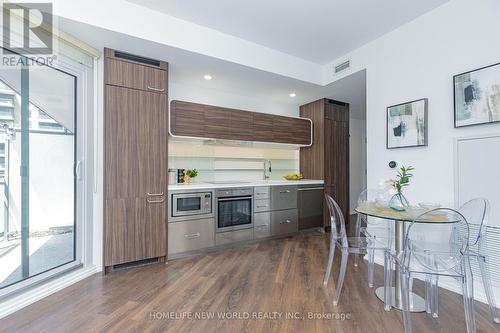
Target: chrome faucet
<point>267,169</point>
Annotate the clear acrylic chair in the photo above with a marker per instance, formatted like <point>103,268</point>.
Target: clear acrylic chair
<point>346,245</point>
<point>476,211</point>
<point>426,253</point>
<point>366,198</point>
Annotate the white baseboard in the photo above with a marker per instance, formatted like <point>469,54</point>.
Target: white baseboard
<point>18,302</point>
<point>451,285</point>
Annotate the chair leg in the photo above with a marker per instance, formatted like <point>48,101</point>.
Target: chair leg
<point>371,266</point>
<point>435,296</point>
<point>331,254</point>
<point>428,294</point>
<point>485,275</point>
<point>405,299</point>
<point>357,233</point>
<point>387,281</point>
<point>468,295</point>
<point>340,281</point>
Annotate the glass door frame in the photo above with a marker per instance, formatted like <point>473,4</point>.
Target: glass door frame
<point>82,168</point>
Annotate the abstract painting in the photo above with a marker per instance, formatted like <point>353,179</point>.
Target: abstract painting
<point>407,124</point>
<point>477,96</point>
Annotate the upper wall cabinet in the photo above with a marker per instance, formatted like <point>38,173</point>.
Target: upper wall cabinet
<point>212,122</point>
<point>130,71</point>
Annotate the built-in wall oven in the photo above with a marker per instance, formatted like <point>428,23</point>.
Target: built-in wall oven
<point>190,205</point>
<point>234,209</point>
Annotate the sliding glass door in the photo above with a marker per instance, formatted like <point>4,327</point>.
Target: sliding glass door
<point>38,170</point>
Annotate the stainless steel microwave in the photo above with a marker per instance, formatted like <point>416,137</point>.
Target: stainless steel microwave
<point>191,205</point>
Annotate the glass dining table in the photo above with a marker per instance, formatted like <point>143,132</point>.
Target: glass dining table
<point>401,219</point>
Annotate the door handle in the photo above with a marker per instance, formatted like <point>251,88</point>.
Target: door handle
<point>286,191</point>
<point>155,194</point>
<point>160,200</point>
<point>286,222</point>
<point>310,189</point>
<point>192,236</point>
<point>156,89</point>
<point>78,170</point>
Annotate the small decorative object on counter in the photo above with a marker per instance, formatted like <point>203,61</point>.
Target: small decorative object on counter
<point>172,176</point>
<point>180,176</point>
<point>294,176</point>
<point>398,201</point>
<point>190,175</point>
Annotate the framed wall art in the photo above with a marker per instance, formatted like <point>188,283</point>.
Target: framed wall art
<point>407,124</point>
<point>477,96</point>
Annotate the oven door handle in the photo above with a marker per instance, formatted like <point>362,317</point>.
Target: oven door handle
<point>234,198</point>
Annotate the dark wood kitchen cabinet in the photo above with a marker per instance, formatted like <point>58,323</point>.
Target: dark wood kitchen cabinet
<point>135,160</point>
<point>207,121</point>
<point>328,157</point>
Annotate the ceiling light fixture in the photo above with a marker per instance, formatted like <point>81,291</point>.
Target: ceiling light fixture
<point>208,77</point>
<point>292,94</point>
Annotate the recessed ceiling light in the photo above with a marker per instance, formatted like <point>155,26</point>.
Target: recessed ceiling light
<point>292,94</point>
<point>207,77</point>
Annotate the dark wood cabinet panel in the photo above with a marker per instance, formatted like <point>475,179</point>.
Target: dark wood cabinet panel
<point>206,121</point>
<point>134,230</point>
<point>135,165</point>
<point>282,129</point>
<point>127,74</point>
<point>186,119</point>
<point>337,162</point>
<point>262,127</point>
<point>136,142</point>
<point>217,124</point>
<point>336,110</point>
<point>312,159</point>
<point>328,157</point>
<point>241,125</point>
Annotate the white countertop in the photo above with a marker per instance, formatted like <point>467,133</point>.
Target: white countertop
<point>203,186</point>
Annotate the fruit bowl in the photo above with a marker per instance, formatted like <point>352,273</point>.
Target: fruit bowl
<point>294,176</point>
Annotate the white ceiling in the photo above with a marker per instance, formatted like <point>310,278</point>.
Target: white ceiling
<point>316,30</point>
<point>187,69</point>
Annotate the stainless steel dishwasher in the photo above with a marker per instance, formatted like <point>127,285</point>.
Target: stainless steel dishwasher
<point>310,205</point>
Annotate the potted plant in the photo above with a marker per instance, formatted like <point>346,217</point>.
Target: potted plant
<point>189,175</point>
<point>398,201</point>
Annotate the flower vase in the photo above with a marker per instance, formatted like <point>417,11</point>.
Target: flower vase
<point>399,202</point>
<point>187,179</point>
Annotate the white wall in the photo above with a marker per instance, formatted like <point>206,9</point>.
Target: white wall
<point>357,160</point>
<point>155,26</point>
<point>418,60</point>
<point>198,94</point>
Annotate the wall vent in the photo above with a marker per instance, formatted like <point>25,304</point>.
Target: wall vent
<point>128,56</point>
<point>343,66</point>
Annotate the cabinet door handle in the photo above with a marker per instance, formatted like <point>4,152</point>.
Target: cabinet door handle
<point>260,206</point>
<point>155,194</point>
<point>156,89</point>
<point>286,191</point>
<point>160,200</point>
<point>192,236</point>
<point>78,170</point>
<point>262,226</point>
<point>286,222</point>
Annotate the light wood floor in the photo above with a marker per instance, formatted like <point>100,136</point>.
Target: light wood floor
<point>282,275</point>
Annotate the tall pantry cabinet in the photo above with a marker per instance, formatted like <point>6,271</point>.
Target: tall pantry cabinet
<point>135,159</point>
<point>328,157</point>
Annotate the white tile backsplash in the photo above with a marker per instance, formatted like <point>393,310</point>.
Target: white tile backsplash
<point>232,163</point>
